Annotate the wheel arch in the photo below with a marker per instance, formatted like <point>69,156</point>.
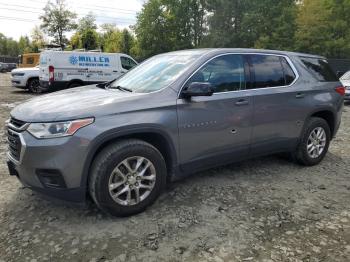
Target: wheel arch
<point>79,81</point>
<point>158,138</point>
<point>329,116</point>
<point>31,78</point>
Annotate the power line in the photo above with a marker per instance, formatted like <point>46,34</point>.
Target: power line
<point>89,7</point>
<point>17,19</point>
<point>32,20</point>
<point>100,17</point>
<point>103,10</point>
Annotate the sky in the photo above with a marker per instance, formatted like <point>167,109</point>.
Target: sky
<point>18,17</point>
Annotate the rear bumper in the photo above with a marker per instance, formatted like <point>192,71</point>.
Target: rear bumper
<point>56,85</point>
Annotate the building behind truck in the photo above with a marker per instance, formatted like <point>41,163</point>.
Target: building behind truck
<point>67,69</point>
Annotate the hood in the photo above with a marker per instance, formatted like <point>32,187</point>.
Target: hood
<point>19,70</point>
<point>81,102</point>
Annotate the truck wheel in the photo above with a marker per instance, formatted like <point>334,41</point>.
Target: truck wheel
<point>74,84</point>
<point>126,177</point>
<point>314,142</point>
<point>34,86</point>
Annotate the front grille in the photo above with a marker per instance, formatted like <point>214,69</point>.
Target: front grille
<point>17,123</point>
<point>15,145</point>
<point>14,141</point>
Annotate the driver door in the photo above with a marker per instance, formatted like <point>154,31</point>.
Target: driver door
<point>215,130</point>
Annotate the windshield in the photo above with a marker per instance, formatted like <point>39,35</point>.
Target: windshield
<point>157,72</point>
<point>346,76</point>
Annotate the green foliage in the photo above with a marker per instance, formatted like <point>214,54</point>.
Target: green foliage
<point>166,25</point>
<point>316,26</point>
<point>110,38</point>
<point>8,46</point>
<point>88,22</point>
<point>86,35</point>
<point>312,26</point>
<point>328,32</point>
<point>24,45</point>
<point>114,40</point>
<point>127,41</point>
<point>57,20</point>
<point>38,39</point>
<point>89,39</point>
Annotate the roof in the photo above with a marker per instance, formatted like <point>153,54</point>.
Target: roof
<point>202,51</point>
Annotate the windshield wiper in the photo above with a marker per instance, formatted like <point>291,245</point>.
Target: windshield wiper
<point>122,88</point>
<point>105,84</point>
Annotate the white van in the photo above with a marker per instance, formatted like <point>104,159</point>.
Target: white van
<point>66,69</point>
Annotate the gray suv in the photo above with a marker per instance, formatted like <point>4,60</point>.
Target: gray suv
<point>174,114</point>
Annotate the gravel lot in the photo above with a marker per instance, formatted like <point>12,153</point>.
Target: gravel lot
<point>267,209</point>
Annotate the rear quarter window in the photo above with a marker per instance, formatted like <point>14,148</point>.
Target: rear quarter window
<point>271,71</point>
<point>320,69</point>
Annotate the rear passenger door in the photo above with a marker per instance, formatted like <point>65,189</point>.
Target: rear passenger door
<point>278,113</point>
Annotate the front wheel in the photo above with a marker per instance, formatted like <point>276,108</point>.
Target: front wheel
<point>127,177</point>
<point>34,86</point>
<point>314,142</point>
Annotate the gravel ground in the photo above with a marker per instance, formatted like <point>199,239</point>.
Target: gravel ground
<point>267,209</point>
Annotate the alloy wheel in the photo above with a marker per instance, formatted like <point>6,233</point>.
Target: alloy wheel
<point>316,142</point>
<point>132,180</point>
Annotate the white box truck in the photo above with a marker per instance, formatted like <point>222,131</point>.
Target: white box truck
<point>67,69</point>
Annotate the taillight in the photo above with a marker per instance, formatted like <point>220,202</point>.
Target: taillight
<point>340,90</point>
<point>51,74</point>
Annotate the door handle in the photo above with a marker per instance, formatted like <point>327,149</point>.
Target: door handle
<point>242,102</point>
<point>299,95</point>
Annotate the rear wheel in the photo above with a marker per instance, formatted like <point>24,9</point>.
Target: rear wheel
<point>34,86</point>
<point>127,177</point>
<point>74,84</point>
<point>314,142</point>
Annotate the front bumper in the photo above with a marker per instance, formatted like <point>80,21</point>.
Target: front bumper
<point>51,166</point>
<point>18,82</point>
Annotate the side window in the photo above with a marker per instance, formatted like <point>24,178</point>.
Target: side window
<point>224,73</point>
<point>30,60</point>
<point>268,71</point>
<point>127,63</point>
<point>320,69</point>
<point>289,75</point>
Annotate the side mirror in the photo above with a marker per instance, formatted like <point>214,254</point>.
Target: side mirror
<point>198,89</point>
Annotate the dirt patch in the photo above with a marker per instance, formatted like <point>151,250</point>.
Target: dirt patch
<point>266,209</point>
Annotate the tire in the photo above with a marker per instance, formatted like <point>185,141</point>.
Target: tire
<point>102,177</point>
<point>34,86</point>
<point>74,84</point>
<point>301,155</point>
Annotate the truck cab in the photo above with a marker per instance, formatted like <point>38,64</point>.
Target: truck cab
<point>28,60</point>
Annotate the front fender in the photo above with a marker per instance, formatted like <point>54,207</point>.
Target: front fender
<point>113,134</point>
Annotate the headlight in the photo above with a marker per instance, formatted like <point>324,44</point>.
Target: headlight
<point>17,74</point>
<point>58,129</point>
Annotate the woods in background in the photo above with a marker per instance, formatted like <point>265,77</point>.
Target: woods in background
<point>311,26</point>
